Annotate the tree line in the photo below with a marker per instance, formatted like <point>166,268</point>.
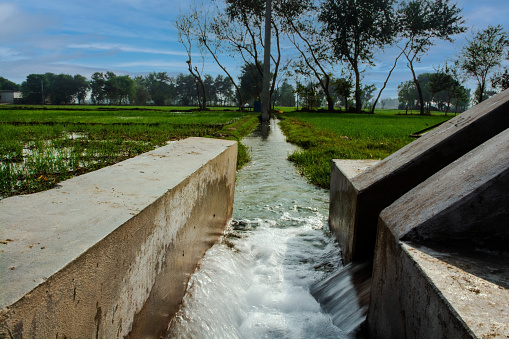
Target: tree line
<point>157,88</point>
<point>440,92</point>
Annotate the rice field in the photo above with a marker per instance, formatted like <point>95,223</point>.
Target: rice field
<point>42,145</point>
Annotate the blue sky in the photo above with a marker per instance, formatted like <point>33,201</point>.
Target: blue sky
<point>138,37</point>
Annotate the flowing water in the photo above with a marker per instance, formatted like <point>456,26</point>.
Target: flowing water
<point>266,277</point>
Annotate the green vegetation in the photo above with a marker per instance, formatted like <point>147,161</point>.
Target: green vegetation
<point>41,146</point>
<point>327,136</point>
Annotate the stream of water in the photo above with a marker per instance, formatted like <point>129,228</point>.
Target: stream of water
<point>265,278</point>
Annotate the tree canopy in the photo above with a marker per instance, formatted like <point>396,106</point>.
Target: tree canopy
<point>356,29</point>
<point>8,85</point>
<point>483,53</point>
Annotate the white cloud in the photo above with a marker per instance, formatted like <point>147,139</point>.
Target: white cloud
<point>154,63</point>
<point>17,23</point>
<point>7,11</point>
<point>125,48</point>
<point>9,54</point>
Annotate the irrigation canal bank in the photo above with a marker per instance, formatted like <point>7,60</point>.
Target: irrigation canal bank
<point>256,283</point>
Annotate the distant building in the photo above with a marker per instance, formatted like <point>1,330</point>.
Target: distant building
<point>10,97</point>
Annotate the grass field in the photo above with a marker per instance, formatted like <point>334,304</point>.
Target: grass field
<point>327,136</point>
<point>42,145</point>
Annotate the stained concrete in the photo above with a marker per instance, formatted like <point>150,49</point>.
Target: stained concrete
<point>342,210</point>
<point>108,254</point>
<point>441,262</point>
<point>356,203</point>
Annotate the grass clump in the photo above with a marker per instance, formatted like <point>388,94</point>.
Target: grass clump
<point>326,136</point>
<point>236,131</point>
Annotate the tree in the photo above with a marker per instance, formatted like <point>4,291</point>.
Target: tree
<point>501,81</point>
<point>460,98</point>
<point>185,89</point>
<point>111,89</point>
<point>82,87</point>
<point>62,88</point>
<point>141,94</point>
<point>407,95</point>
<point>185,26</point>
<point>343,87</point>
<point>356,29</point>
<point>482,54</point>
<point>251,83</point>
<point>209,24</point>
<point>385,84</point>
<point>35,89</point>
<point>439,86</point>
<point>422,21</point>
<point>486,95</point>
<point>8,85</point>
<point>300,23</point>
<point>443,85</point>
<point>224,90</point>
<point>366,95</point>
<point>125,89</point>
<point>160,87</point>
<point>240,30</point>
<point>308,94</point>
<point>210,87</point>
<point>425,95</point>
<point>285,95</point>
<point>97,85</point>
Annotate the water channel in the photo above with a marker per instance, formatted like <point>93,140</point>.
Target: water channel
<point>266,276</point>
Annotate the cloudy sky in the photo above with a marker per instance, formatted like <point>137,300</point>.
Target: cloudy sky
<point>138,36</point>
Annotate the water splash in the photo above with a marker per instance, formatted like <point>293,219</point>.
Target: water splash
<point>261,280</point>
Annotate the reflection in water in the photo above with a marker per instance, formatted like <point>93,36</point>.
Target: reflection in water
<point>263,130</point>
<point>256,283</point>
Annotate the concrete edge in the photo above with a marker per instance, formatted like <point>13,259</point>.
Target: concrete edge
<point>132,280</point>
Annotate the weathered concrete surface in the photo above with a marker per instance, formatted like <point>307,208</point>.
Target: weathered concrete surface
<point>341,210</point>
<point>441,264</point>
<point>367,194</point>
<point>108,254</point>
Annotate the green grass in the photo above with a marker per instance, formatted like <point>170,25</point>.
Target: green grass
<point>327,136</point>
<point>42,145</point>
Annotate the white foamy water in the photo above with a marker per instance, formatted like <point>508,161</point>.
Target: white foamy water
<point>256,282</point>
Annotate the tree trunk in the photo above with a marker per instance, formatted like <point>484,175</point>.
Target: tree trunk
<point>481,92</point>
<point>266,63</point>
<point>358,103</point>
<point>330,103</point>
<point>419,91</point>
<point>385,83</point>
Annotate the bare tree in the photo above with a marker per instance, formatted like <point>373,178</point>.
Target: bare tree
<point>300,18</point>
<point>185,25</point>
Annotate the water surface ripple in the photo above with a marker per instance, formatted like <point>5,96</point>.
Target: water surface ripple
<point>256,282</point>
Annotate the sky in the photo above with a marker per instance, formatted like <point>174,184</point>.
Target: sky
<point>136,37</point>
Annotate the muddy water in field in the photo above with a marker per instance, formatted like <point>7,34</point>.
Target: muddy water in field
<point>265,277</point>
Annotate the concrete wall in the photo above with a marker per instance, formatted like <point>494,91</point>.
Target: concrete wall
<point>441,265</point>
<point>433,219</point>
<point>108,254</point>
<point>343,202</point>
<point>356,202</point>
